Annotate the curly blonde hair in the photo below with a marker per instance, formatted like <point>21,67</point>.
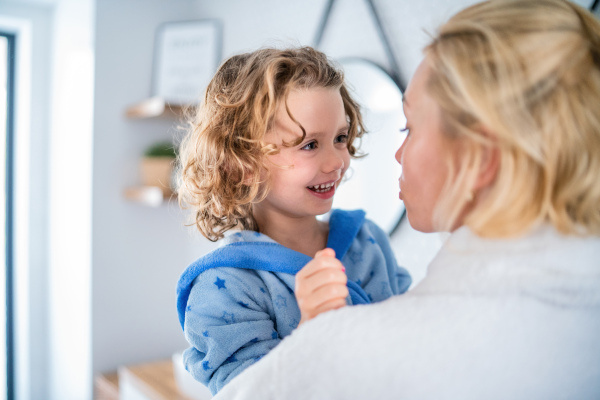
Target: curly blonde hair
<point>223,157</point>
<point>529,72</point>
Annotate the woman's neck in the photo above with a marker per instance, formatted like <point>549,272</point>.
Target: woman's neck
<point>305,235</point>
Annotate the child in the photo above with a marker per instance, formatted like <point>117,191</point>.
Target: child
<point>269,146</point>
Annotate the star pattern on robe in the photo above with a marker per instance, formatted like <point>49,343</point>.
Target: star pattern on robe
<point>355,256</point>
<point>280,301</point>
<point>294,323</point>
<point>220,283</point>
<point>228,317</point>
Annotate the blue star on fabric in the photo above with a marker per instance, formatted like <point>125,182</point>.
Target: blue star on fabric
<point>263,290</point>
<point>205,365</point>
<point>220,283</point>
<point>228,317</point>
<point>280,301</point>
<point>188,308</point>
<point>355,257</point>
<point>359,282</point>
<point>370,239</point>
<point>205,333</point>
<point>274,335</point>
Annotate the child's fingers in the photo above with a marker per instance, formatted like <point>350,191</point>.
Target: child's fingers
<point>330,305</point>
<point>328,299</point>
<point>326,252</point>
<point>320,263</point>
<point>321,296</point>
<point>308,284</point>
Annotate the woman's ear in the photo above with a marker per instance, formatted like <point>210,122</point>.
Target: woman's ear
<point>490,164</point>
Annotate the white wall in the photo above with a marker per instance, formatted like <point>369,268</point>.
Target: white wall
<point>138,252</point>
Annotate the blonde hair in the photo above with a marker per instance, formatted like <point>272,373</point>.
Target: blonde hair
<point>523,76</point>
<point>223,158</point>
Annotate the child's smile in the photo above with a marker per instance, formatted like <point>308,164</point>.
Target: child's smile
<point>324,190</point>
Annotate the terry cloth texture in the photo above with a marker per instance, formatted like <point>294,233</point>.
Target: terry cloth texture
<point>493,319</point>
<point>236,303</point>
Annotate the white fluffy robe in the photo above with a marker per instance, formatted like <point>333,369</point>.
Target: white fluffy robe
<point>493,319</point>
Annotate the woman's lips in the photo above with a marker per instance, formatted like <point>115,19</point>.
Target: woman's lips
<point>400,189</point>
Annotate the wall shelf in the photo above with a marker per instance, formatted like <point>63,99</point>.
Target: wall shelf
<point>154,107</point>
<point>152,196</point>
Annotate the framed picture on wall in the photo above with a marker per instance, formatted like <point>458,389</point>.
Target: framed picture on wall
<point>186,56</point>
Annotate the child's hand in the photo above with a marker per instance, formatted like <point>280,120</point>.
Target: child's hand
<point>321,285</point>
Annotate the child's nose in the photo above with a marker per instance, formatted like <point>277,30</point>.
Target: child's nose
<point>334,161</point>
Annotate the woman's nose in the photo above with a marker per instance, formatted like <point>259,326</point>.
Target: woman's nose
<point>399,153</point>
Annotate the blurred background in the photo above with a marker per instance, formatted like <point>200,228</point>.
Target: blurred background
<point>93,250</point>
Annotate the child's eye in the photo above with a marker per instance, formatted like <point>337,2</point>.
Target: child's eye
<point>343,138</point>
<point>309,146</point>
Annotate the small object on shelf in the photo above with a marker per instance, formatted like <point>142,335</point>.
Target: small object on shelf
<point>157,171</point>
<point>154,107</point>
<point>156,167</point>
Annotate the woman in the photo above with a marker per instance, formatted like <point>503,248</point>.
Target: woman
<point>503,150</point>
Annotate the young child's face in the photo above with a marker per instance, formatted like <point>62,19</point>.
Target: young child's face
<point>315,167</point>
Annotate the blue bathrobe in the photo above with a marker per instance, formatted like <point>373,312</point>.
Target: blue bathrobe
<point>236,303</point>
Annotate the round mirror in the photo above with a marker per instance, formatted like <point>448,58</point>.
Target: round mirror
<point>371,182</point>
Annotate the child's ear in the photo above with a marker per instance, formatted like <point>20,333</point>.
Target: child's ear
<point>490,162</point>
<point>248,179</point>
